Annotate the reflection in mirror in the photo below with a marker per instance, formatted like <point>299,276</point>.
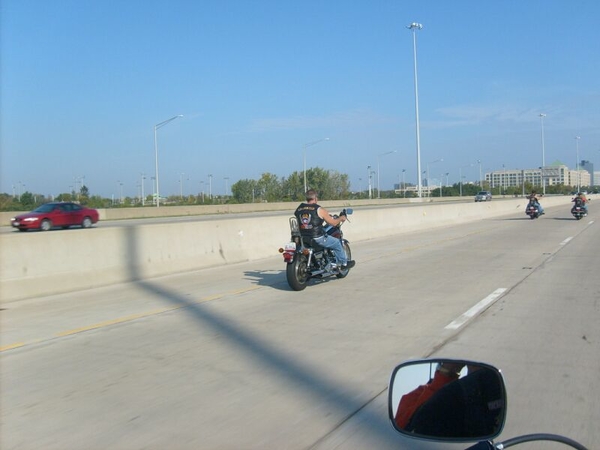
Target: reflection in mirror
<point>447,399</point>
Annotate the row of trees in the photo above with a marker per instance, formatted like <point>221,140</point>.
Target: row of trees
<point>331,185</point>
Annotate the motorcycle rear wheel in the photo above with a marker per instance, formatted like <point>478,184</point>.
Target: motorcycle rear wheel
<point>297,273</point>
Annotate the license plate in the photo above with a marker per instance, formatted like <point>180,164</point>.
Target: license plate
<point>290,247</point>
<point>16,224</point>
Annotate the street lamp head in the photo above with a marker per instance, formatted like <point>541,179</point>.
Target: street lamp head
<point>415,25</point>
<point>542,115</point>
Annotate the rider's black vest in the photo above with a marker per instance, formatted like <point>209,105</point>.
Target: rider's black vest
<point>311,225</point>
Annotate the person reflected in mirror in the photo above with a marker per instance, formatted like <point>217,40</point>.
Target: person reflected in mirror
<point>535,198</point>
<point>471,407</point>
<point>310,217</point>
<point>581,200</point>
<point>445,373</point>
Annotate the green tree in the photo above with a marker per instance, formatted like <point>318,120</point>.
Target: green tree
<point>244,191</point>
<point>330,185</point>
<point>84,195</point>
<point>293,187</point>
<point>270,187</point>
<point>27,200</point>
<point>64,197</point>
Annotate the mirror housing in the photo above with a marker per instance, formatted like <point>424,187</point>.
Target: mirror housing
<point>449,400</point>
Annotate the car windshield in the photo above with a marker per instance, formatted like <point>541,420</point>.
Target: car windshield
<point>483,193</point>
<point>48,207</point>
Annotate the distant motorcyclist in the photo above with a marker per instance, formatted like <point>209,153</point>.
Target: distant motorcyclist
<point>310,217</point>
<point>535,198</point>
<point>580,200</point>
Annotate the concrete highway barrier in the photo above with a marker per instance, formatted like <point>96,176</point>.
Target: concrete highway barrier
<point>37,264</point>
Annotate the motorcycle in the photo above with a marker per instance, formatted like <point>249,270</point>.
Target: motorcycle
<point>578,210</point>
<point>453,400</point>
<point>532,210</point>
<point>305,259</point>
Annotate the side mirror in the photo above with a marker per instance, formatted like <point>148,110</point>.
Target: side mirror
<point>447,400</point>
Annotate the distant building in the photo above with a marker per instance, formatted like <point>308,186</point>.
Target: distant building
<point>589,167</point>
<point>556,173</point>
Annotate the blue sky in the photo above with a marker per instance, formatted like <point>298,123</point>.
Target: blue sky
<point>83,83</point>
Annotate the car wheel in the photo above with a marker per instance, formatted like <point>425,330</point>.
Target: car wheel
<point>46,225</point>
<point>87,222</point>
<point>22,229</point>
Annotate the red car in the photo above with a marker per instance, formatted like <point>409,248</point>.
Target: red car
<point>58,214</point>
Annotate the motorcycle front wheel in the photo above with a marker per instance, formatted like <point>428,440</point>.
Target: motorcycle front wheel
<point>297,272</point>
<point>346,247</point>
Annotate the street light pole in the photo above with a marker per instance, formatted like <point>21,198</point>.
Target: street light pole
<point>156,127</point>
<point>460,176</point>
<point>181,185</point>
<point>577,164</point>
<point>369,178</point>
<point>403,182</point>
<point>310,144</point>
<point>429,182</point>
<point>143,181</point>
<point>417,26</point>
<point>381,154</point>
<point>542,115</point>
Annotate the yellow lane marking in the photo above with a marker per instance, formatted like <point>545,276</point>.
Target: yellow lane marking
<point>131,317</point>
<point>11,346</point>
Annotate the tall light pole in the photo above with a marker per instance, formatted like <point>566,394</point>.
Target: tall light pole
<point>226,180</point>
<point>542,115</point>
<point>156,127</point>
<point>305,146</point>
<point>143,181</point>
<point>414,27</point>
<point>480,182</point>
<point>120,183</point>
<point>460,176</point>
<point>577,164</point>
<point>210,186</point>
<point>403,182</point>
<point>181,185</point>
<point>381,154</point>
<point>369,178</point>
<point>428,182</point>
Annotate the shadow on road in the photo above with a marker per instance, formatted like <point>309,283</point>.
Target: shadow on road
<point>292,371</point>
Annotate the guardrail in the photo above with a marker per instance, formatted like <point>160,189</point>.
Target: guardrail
<point>45,263</point>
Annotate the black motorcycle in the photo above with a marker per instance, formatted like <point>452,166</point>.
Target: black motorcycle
<point>532,210</point>
<point>578,210</point>
<point>305,259</point>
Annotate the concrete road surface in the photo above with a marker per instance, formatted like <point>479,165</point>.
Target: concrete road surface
<point>231,358</point>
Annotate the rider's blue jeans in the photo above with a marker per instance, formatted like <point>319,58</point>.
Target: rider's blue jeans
<point>334,244</point>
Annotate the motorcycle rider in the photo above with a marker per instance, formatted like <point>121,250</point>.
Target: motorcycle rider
<point>535,197</point>
<point>469,407</point>
<point>582,200</point>
<point>445,373</point>
<point>310,217</point>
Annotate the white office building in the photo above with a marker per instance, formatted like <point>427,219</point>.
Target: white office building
<point>556,173</point>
